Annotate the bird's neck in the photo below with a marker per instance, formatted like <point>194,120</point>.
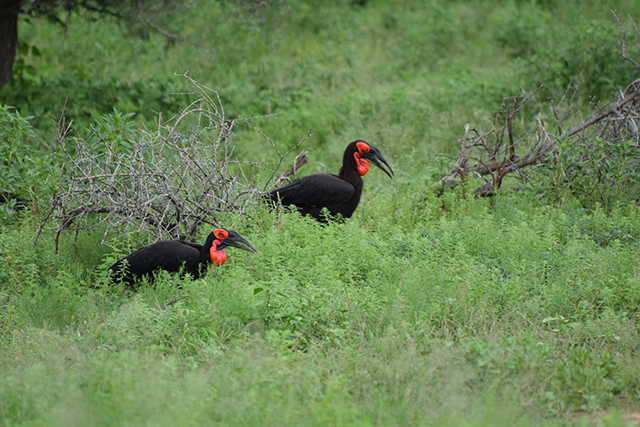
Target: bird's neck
<point>350,174</point>
<point>352,177</point>
<point>218,256</point>
<point>209,242</point>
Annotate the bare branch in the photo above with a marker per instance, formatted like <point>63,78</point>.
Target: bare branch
<point>282,156</point>
<point>622,43</point>
<point>300,160</point>
<point>619,121</point>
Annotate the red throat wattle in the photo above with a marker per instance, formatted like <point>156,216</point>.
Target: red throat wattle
<point>218,257</point>
<point>361,164</point>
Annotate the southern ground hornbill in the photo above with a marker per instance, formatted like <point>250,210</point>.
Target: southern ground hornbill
<point>340,194</point>
<point>174,255</point>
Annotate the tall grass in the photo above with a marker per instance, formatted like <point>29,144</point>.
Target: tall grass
<point>485,306</point>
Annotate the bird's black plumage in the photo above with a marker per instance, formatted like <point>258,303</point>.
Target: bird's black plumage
<point>341,193</point>
<point>174,255</point>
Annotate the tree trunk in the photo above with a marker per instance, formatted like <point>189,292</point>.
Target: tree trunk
<point>8,41</point>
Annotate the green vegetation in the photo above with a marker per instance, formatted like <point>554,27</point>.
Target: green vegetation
<point>521,309</point>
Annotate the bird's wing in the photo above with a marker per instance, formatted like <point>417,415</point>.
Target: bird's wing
<point>168,255</point>
<point>319,189</point>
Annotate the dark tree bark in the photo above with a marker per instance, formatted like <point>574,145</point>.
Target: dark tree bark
<point>9,10</point>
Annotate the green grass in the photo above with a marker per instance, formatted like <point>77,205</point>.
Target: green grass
<point>521,309</point>
<point>405,75</point>
<point>494,312</point>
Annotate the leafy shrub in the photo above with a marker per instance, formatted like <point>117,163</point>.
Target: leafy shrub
<point>84,100</point>
<point>596,171</point>
<point>587,51</point>
<point>25,171</point>
<point>523,30</point>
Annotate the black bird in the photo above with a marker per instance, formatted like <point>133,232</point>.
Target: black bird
<point>173,255</point>
<point>340,194</point>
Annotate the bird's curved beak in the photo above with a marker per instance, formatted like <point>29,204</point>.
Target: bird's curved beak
<point>237,241</point>
<point>375,156</point>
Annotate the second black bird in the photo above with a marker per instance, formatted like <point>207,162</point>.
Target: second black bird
<point>341,193</point>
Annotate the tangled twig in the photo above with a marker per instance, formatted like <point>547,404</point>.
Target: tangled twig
<point>166,183</point>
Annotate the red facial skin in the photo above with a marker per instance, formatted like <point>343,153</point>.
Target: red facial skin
<point>362,164</point>
<point>218,257</point>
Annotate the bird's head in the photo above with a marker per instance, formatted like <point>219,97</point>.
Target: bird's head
<point>363,153</point>
<point>224,238</point>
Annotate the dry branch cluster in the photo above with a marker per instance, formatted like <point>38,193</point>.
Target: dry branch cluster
<point>167,183</point>
<point>508,146</point>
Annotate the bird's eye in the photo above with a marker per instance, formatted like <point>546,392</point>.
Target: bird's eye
<point>363,147</point>
<point>221,234</point>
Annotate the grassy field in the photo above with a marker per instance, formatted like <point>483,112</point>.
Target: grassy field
<point>521,309</point>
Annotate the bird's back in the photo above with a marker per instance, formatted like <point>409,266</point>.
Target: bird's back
<point>312,193</point>
<point>170,255</point>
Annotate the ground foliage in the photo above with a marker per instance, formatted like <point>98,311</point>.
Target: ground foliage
<point>402,319</point>
<point>521,309</point>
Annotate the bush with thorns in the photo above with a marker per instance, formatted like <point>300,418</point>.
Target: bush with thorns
<point>166,183</point>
